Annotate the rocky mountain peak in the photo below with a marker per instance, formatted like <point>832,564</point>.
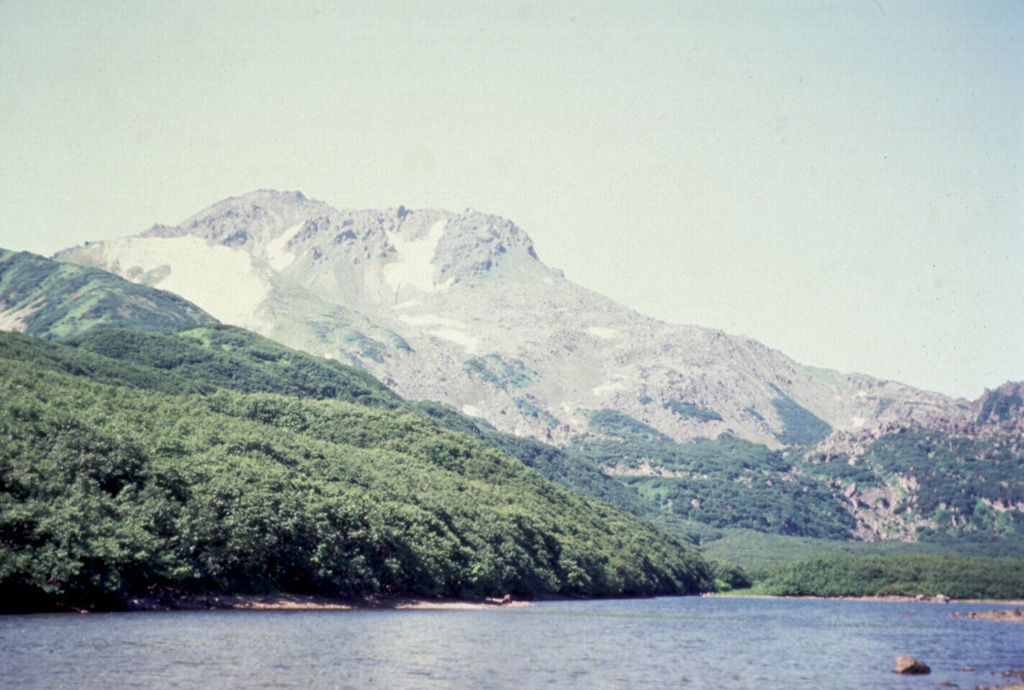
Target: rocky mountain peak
<point>1004,404</point>
<point>250,219</point>
<point>420,249</point>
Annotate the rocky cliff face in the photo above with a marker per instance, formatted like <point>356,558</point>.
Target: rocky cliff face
<point>457,307</point>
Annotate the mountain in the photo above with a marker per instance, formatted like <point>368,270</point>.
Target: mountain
<point>458,308</point>
<point>53,300</point>
<point>740,500</point>
<point>701,431</point>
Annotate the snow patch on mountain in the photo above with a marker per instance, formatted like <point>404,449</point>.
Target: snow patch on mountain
<point>429,320</point>
<point>446,329</point>
<point>464,340</point>
<point>603,333</point>
<point>413,266</point>
<point>606,388</point>
<point>186,266</point>
<point>278,255</point>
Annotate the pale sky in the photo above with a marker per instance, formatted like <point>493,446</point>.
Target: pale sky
<point>842,181</point>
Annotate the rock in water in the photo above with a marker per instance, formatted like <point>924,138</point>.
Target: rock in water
<point>908,665</point>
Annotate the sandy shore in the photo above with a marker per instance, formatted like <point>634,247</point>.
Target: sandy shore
<point>294,602</point>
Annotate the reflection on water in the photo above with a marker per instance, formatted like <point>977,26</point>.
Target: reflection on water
<point>649,643</point>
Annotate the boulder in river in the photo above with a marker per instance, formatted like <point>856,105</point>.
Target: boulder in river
<point>908,665</point>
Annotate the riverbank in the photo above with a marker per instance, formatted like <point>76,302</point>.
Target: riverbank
<point>896,598</point>
<point>296,602</point>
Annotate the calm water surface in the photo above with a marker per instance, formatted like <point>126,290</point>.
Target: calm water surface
<point>688,642</point>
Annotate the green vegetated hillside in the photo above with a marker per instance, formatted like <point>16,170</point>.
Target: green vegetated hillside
<point>741,502</point>
<point>108,491</point>
<point>760,554</point>
<point>908,490</point>
<point>725,483</point>
<point>210,357</point>
<point>962,484</point>
<point>54,300</point>
<point>206,358</point>
<point>230,357</point>
<point>953,576</point>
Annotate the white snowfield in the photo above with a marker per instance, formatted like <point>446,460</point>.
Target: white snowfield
<point>430,320</point>
<point>195,266</point>
<point>414,266</point>
<point>446,329</point>
<point>606,388</point>
<point>464,340</point>
<point>278,255</point>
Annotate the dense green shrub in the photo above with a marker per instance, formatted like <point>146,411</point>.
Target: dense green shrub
<point>232,358</point>
<point>727,482</point>
<point>729,576</point>
<point>958,477</point>
<point>108,492</point>
<point>778,506</point>
<point>954,576</point>
<point>619,424</point>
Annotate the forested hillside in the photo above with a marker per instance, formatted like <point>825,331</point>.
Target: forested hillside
<point>209,357</point>
<point>741,501</point>
<point>110,491</point>
<point>785,454</point>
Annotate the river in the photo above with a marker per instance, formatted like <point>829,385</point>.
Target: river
<point>686,642</point>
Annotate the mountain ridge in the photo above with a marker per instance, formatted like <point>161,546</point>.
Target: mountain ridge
<point>459,308</point>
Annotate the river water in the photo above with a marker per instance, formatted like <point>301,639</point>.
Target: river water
<point>686,642</point>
